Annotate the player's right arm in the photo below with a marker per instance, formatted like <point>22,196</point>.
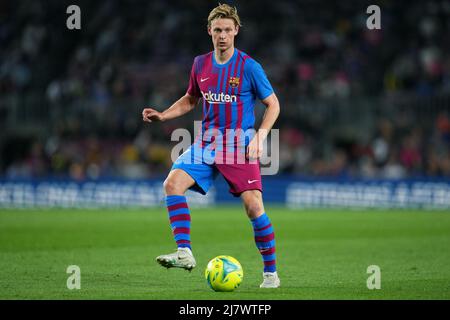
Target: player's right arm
<point>185,104</point>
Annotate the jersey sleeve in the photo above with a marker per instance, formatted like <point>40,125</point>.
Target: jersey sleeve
<point>193,88</point>
<point>259,81</point>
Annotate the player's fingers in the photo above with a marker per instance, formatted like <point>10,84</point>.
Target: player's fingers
<point>147,116</point>
<point>253,158</point>
<point>147,111</point>
<point>151,115</point>
<point>260,151</point>
<point>252,153</point>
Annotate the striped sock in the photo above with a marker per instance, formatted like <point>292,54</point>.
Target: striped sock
<point>265,241</point>
<point>180,220</point>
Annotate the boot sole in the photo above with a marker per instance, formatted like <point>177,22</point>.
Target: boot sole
<point>169,264</point>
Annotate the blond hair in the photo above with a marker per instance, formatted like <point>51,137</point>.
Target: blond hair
<point>224,11</point>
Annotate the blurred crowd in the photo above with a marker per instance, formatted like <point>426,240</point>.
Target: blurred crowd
<point>394,151</point>
<point>91,84</point>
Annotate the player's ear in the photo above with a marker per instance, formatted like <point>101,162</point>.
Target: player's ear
<point>209,30</point>
<point>236,30</point>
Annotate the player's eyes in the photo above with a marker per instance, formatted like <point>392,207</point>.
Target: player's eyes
<point>226,30</point>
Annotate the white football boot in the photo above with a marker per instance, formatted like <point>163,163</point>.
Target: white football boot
<point>182,258</point>
<point>271,280</point>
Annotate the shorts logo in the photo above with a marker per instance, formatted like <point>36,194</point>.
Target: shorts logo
<point>251,181</point>
<point>234,82</point>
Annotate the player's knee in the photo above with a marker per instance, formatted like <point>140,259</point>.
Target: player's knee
<point>254,208</point>
<point>171,187</point>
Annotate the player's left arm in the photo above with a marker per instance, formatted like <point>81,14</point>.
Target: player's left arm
<point>255,147</point>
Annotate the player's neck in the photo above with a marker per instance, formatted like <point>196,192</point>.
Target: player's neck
<point>222,57</point>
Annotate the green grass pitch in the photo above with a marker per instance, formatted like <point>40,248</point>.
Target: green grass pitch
<point>321,254</point>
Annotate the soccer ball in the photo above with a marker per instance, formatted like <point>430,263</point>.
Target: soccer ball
<point>224,273</point>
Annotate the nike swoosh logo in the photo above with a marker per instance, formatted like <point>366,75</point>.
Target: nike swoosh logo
<point>203,80</point>
<point>251,181</point>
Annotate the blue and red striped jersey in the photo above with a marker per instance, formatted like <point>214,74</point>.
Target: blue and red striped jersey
<point>229,91</point>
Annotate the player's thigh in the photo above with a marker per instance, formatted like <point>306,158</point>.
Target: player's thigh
<point>253,203</point>
<point>177,182</point>
<point>241,177</point>
<point>191,162</point>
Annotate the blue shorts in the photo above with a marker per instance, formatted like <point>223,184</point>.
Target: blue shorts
<point>192,161</point>
<point>200,164</point>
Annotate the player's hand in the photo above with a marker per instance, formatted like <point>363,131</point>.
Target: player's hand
<point>255,148</point>
<point>150,115</point>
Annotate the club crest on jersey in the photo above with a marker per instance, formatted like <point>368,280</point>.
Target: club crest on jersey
<point>234,82</point>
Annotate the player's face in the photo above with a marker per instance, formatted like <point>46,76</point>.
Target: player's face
<point>222,32</point>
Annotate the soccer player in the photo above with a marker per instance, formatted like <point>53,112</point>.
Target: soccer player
<point>228,81</point>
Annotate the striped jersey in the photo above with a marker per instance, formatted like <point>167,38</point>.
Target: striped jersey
<point>228,91</point>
